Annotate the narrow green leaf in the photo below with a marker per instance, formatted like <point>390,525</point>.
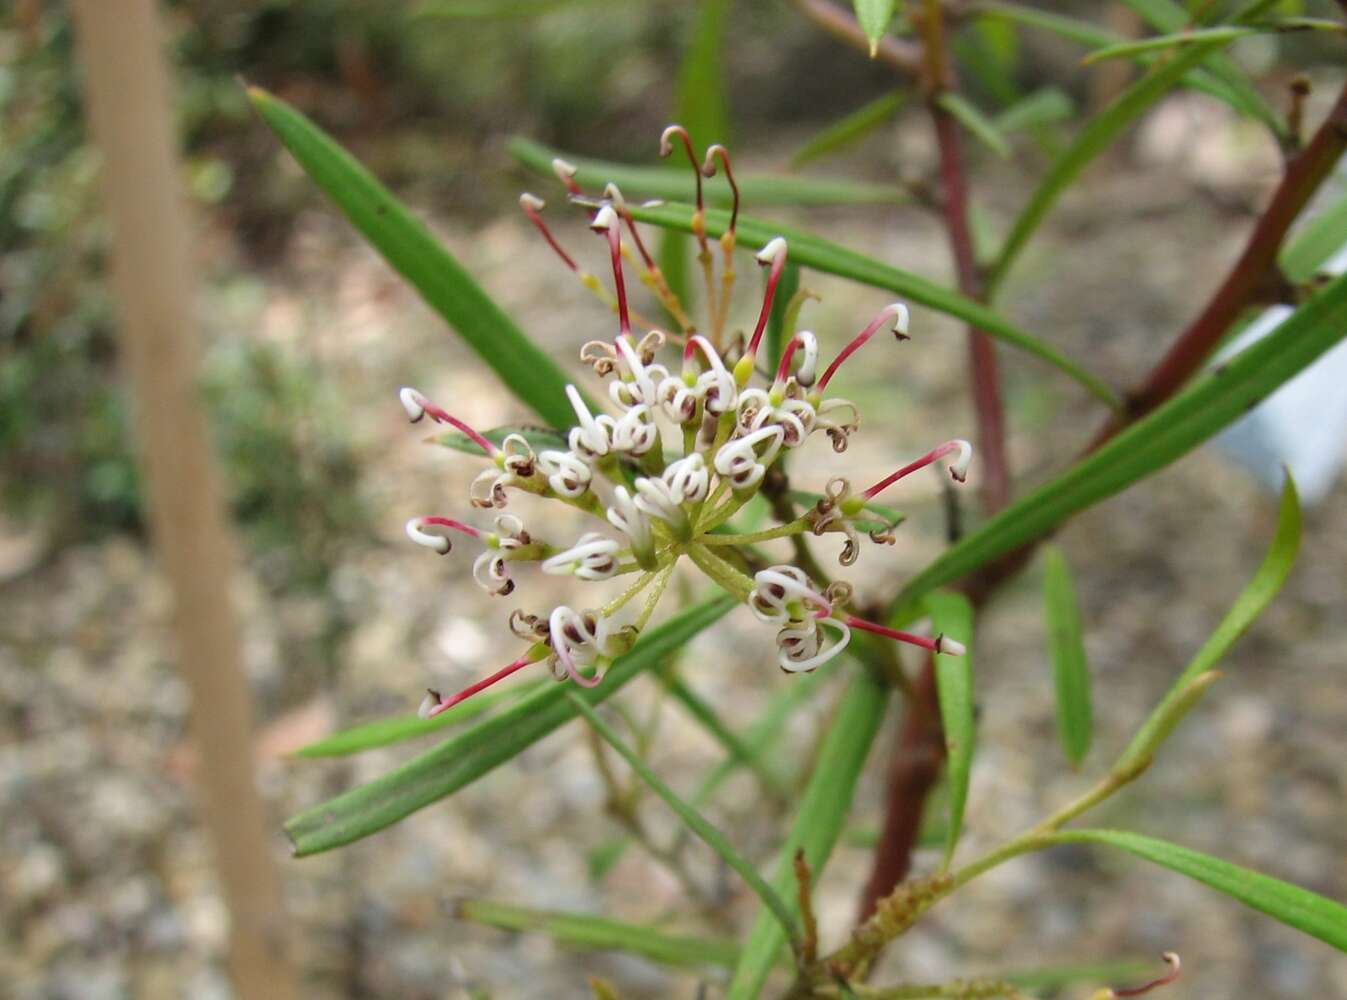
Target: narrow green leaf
<point>676,182</point>
<point>384,732</point>
<point>1315,242</point>
<point>809,250</point>
<point>1182,699</point>
<point>701,103</point>
<point>1043,107</point>
<point>1151,443</point>
<point>970,117</point>
<point>414,253</point>
<point>1168,16</point>
<point>695,821</point>
<point>1192,36</point>
<point>1255,597</point>
<point>585,930</point>
<point>539,438</point>
<point>818,821</point>
<point>1240,95</point>
<point>776,320</point>
<point>465,758</point>
<point>850,129</point>
<point>952,616</point>
<point>1306,911</point>
<point>874,16</point>
<point>1070,669</point>
<point>1092,140</point>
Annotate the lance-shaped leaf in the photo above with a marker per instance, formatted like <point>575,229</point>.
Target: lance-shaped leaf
<point>465,758</point>
<point>970,116</point>
<point>1299,908</point>
<point>407,245</point>
<point>583,930</point>
<point>1192,36</point>
<point>1264,586</point>
<point>809,250</point>
<point>818,821</point>
<point>1093,139</point>
<point>1168,432</point>
<point>874,17</point>
<point>1314,243</point>
<point>702,107</point>
<point>677,182</point>
<point>1238,93</point>
<point>1070,669</point>
<point>850,129</point>
<point>952,616</point>
<point>1043,107</point>
<point>384,732</point>
<point>695,821</point>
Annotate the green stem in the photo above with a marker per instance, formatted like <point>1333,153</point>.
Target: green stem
<point>780,531</point>
<point>720,571</point>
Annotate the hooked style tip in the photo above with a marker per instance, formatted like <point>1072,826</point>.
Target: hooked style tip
<point>565,171</point>
<point>531,202</point>
<point>614,194</point>
<point>604,219</point>
<point>949,647</point>
<point>899,313</point>
<point>413,402</point>
<point>959,469</point>
<point>429,703</point>
<point>775,249</point>
<point>666,138</point>
<point>417,533</point>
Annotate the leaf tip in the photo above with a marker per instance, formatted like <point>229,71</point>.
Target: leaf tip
<point>874,48</point>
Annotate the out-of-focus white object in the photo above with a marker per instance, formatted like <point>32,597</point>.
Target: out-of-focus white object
<point>1304,423</point>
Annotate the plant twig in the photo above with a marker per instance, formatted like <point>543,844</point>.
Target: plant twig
<point>902,55</point>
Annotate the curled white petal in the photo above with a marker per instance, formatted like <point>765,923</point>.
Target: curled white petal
<point>491,574</point>
<point>614,194</point>
<point>593,557</point>
<point>716,385</point>
<point>738,460</point>
<point>510,531</point>
<point>577,640</point>
<point>688,478</point>
<point>802,646</point>
<point>677,400</point>
<point>592,435</point>
<point>641,383</point>
<point>636,432</point>
<point>488,488</point>
<point>631,520</point>
<point>567,473</point>
<point>807,352</point>
<point>656,498</point>
<point>778,587</point>
<point>518,456</point>
<point>427,535</point>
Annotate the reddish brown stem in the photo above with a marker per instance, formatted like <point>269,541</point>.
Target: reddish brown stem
<point>917,756</point>
<point>902,55</point>
<point>983,364</point>
<point>1248,277</point>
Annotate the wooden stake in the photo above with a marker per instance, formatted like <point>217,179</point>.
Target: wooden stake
<point>127,87</point>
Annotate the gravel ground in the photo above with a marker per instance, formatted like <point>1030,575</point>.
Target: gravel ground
<point>106,889</point>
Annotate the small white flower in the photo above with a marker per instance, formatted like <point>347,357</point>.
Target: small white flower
<point>677,399</point>
<point>635,432</point>
<point>593,557</point>
<point>516,456</point>
<point>739,462</point>
<point>488,488</point>
<point>777,588</point>
<point>491,574</point>
<point>631,520</point>
<point>577,640</point>
<point>591,438</point>
<point>567,473</point>
<point>802,646</point>
<point>641,383</point>
<point>839,419</point>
